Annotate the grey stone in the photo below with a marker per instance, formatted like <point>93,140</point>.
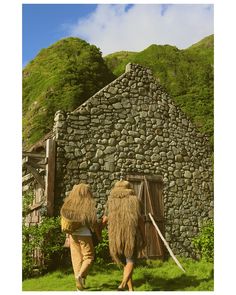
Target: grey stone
<point>205,175</point>
<point>138,140</point>
<point>99,153</point>
<point>122,143</point>
<point>109,166</point>
<point>60,124</point>
<point>78,152</point>
<point>158,122</point>
<point>155,158</point>
<point>69,149</point>
<point>159,138</point>
<point>178,158</point>
<point>174,188</point>
<point>118,126</point>
<point>116,133</point>
<point>180,182</point>
<point>139,157</point>
<point>130,120</point>
<point>117,106</point>
<point>59,116</point>
<point>187,174</point>
<point>107,95</point>
<point>83,165</point>
<point>178,165</point>
<point>69,130</point>
<point>170,155</point>
<point>112,90</point>
<point>112,141</point>
<point>94,167</point>
<point>149,137</point>
<point>185,122</point>
<point>196,174</point>
<point>172,183</point>
<point>133,133</point>
<point>130,139</point>
<point>109,150</point>
<point>177,173</point>
<point>156,150</point>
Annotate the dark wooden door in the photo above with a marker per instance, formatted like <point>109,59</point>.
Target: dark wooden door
<point>149,191</point>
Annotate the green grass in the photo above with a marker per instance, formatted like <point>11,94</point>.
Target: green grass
<point>153,275</point>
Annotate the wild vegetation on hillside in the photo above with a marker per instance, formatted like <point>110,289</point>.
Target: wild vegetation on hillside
<point>62,77</point>
<point>187,75</point>
<point>67,73</point>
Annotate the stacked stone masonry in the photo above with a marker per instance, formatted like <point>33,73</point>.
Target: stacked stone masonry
<point>132,124</point>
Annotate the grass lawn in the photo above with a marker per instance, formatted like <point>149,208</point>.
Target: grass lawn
<point>152,275</point>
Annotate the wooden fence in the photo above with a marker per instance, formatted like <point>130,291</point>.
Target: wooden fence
<point>38,186</point>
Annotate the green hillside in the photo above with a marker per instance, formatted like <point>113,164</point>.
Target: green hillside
<point>70,71</point>
<point>187,75</point>
<point>206,42</point>
<point>60,77</point>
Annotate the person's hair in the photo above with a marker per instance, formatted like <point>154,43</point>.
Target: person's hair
<point>80,206</point>
<point>123,215</point>
<point>124,184</point>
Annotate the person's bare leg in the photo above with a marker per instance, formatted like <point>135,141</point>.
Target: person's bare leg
<point>127,275</point>
<point>130,284</point>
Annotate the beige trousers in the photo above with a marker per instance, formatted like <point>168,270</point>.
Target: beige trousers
<point>82,254</point>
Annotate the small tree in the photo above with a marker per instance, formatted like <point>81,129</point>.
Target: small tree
<point>45,237</point>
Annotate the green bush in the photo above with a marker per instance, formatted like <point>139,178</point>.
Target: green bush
<point>27,200</point>
<point>204,242</point>
<point>46,238</point>
<point>102,254</point>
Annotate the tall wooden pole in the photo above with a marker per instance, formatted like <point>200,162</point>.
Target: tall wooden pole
<point>50,175</point>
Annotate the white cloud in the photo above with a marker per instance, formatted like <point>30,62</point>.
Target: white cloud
<point>114,27</point>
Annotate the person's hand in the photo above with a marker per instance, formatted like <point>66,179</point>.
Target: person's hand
<point>67,242</point>
<point>104,220</point>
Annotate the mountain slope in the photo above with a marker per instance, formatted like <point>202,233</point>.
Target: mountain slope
<point>187,75</point>
<point>61,77</point>
<point>70,71</point>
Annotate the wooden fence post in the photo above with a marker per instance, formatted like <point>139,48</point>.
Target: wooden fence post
<point>50,175</point>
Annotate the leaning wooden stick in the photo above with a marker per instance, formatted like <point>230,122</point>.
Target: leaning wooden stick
<point>165,242</point>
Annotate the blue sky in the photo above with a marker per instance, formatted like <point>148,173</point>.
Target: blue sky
<point>43,24</point>
<point>114,27</point>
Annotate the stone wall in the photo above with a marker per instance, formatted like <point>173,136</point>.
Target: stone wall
<point>132,124</point>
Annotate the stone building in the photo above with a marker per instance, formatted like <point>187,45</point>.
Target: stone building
<point>132,128</point>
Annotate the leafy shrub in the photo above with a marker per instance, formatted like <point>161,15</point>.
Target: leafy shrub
<point>27,200</point>
<point>46,238</point>
<point>204,242</point>
<point>102,249</point>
